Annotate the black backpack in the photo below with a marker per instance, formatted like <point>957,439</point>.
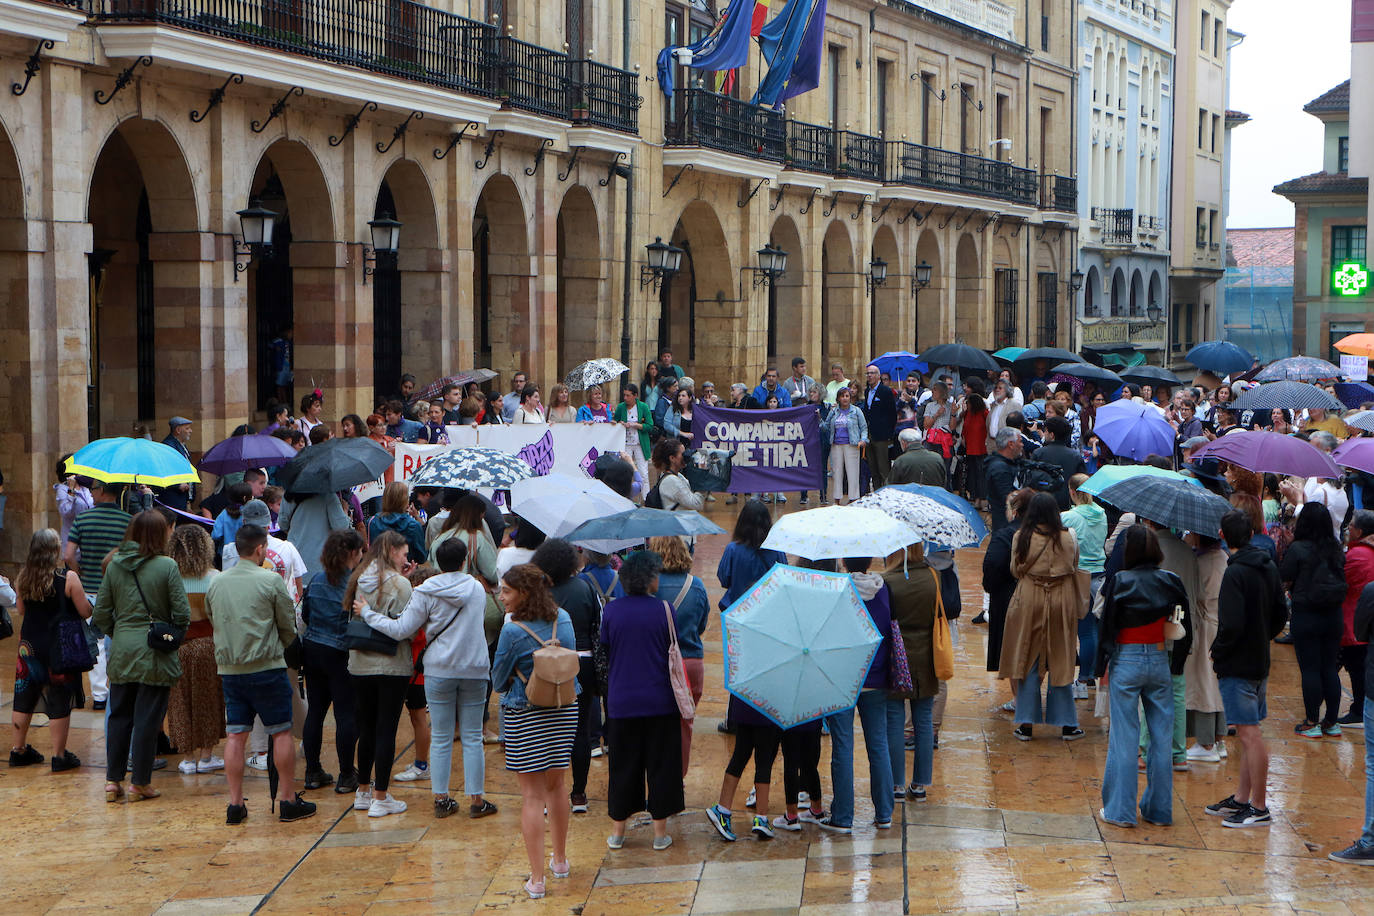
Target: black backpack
<point>1042,476</point>
<point>1326,582</point>
<point>654,499</point>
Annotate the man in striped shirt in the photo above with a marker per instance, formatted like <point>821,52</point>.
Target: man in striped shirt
<point>94,534</point>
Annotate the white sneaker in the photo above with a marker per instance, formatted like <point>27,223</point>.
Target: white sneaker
<point>598,750</point>
<point>257,761</point>
<point>412,773</point>
<point>209,766</point>
<point>749,802</point>
<point>782,497</point>
<point>381,807</point>
<point>362,799</point>
<point>187,767</point>
<point>803,799</point>
<point>1205,755</point>
<point>1220,747</point>
<point>1080,691</point>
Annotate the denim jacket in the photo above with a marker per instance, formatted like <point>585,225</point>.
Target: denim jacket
<point>515,652</point>
<point>858,426</point>
<point>325,618</point>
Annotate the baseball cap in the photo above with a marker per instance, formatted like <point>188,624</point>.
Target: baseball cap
<point>255,512</point>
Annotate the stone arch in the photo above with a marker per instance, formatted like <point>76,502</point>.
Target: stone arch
<point>698,294</point>
<point>786,326</point>
<point>929,324</point>
<point>1092,284</point>
<point>889,328</point>
<point>409,321</point>
<point>1137,301</point>
<point>968,292</point>
<point>1156,291</point>
<point>840,292</point>
<point>1118,293</point>
<point>151,273</point>
<point>506,334</point>
<point>580,279</point>
<point>26,379</point>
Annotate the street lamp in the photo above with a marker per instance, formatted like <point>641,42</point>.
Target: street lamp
<point>877,273</point>
<point>664,263</point>
<point>1076,280</point>
<point>386,239</point>
<point>1154,312</point>
<point>772,265</point>
<point>256,223</point>
<point>919,281</point>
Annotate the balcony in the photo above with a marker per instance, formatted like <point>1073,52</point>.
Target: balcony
<point>860,156</point>
<point>927,167</point>
<point>409,41</point>
<point>1058,193</point>
<point>1150,223</point>
<point>727,124</point>
<point>810,147</point>
<point>1117,225</point>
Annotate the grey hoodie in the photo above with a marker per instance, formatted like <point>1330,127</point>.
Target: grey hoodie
<point>868,584</point>
<point>450,606</point>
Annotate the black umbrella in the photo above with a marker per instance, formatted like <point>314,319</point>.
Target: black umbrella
<point>1088,372</point>
<point>1288,395</point>
<point>334,465</point>
<point>1052,355</point>
<point>960,356</point>
<point>1150,375</point>
<point>1169,502</point>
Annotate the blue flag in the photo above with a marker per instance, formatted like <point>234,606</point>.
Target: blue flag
<point>792,44</point>
<point>726,48</point>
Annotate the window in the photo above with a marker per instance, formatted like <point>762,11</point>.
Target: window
<point>1045,121</point>
<point>1004,288</point>
<point>927,92</point>
<point>1201,227</point>
<point>1342,154</point>
<point>884,75</point>
<point>1202,128</point>
<point>834,87</point>
<point>1218,37</point>
<point>1047,303</point>
<point>1348,244</point>
<point>1213,232</point>
<point>1206,30</point>
<point>1044,25</point>
<point>1335,330</point>
<point>964,104</point>
<point>1216,131</point>
<point>999,126</point>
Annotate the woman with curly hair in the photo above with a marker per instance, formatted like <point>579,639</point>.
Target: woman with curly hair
<point>195,709</point>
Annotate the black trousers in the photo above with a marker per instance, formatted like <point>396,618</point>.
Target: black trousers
<point>801,759</point>
<point>588,704</point>
<point>134,717</point>
<point>1318,663</point>
<point>647,753</point>
<point>1352,660</point>
<point>759,742</point>
<point>327,683</point>
<point>381,697</point>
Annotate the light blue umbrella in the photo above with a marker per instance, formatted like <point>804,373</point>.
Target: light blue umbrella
<point>643,523</point>
<point>1009,354</point>
<point>127,460</point>
<point>1115,473</point>
<point>798,645</point>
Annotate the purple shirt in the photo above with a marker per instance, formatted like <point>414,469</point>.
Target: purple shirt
<point>840,436</point>
<point>634,630</point>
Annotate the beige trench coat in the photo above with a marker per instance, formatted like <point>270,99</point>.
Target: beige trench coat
<point>1042,619</point>
<point>1201,691</point>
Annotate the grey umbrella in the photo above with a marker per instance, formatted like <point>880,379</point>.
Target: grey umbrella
<point>1150,375</point>
<point>1288,395</point>
<point>1168,502</point>
<point>1089,372</point>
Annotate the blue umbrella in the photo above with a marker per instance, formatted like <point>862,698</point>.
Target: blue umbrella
<point>126,460</point>
<point>1009,354</point>
<point>1353,394</point>
<point>1134,430</point>
<point>1115,473</point>
<point>643,523</point>
<point>946,498</point>
<point>897,363</point>
<point>1220,356</point>
<point>798,645</point>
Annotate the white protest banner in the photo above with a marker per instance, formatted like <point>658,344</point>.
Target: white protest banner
<point>569,448</point>
<point>1355,367</point>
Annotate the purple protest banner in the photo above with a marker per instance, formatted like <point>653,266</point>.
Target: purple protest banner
<point>774,450</point>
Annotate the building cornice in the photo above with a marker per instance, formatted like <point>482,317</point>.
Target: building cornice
<point>709,160</point>
<point>42,21</point>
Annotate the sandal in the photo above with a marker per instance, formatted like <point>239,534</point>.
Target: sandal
<point>534,889</point>
<point>113,791</point>
<point>142,793</point>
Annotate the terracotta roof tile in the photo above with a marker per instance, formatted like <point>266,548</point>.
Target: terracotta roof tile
<point>1323,183</point>
<point>1261,247</point>
<point>1334,99</point>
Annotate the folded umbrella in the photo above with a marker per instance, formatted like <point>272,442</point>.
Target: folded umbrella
<point>1220,356</point>
<point>1299,369</point>
<point>239,453</point>
<point>944,497</point>
<point>122,459</point>
<point>1150,375</point>
<point>834,532</point>
<point>594,372</point>
<point>1288,395</point>
<point>1353,394</point>
<point>1355,453</point>
<point>1134,430</point>
<point>960,356</point>
<point>334,465</point>
<point>472,468</point>
<point>644,523</point>
<point>1271,453</point>
<point>932,521</point>
<point>1171,503</point>
<point>897,363</point>
<point>798,645</point>
<point>1115,473</point>
<point>1089,372</point>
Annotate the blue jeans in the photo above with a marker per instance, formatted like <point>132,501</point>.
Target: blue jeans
<point>1058,708</point>
<point>923,731</point>
<point>467,697</point>
<point>873,718</point>
<point>1367,838</point>
<point>1087,632</point>
<point>1139,674</point>
<point>1180,746</point>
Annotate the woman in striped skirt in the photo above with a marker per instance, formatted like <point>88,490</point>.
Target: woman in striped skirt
<point>538,740</point>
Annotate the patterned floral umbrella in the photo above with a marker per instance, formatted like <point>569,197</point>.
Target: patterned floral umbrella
<point>594,372</point>
<point>835,532</point>
<point>472,468</point>
<point>436,388</point>
<point>930,520</point>
<point>1299,369</point>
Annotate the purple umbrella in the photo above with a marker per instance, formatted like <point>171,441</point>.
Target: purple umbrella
<point>1271,453</point>
<point>1355,453</point>
<point>1134,430</point>
<point>1353,394</point>
<point>239,453</point>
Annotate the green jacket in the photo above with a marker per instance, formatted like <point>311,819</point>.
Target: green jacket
<point>911,596</point>
<point>120,613</point>
<point>254,619</point>
<point>645,419</point>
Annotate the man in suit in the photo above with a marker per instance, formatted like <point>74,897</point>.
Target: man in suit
<point>880,410</point>
<point>178,496</point>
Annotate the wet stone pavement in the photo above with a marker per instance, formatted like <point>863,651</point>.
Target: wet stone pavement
<point>1009,827</point>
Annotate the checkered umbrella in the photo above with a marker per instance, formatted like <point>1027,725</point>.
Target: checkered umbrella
<point>436,388</point>
<point>472,468</point>
<point>1288,395</point>
<point>1171,503</point>
<point>1299,369</point>
<point>1364,420</point>
<point>594,372</point>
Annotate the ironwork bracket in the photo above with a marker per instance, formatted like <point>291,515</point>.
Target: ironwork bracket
<point>949,218</point>
<point>455,140</point>
<point>883,212</point>
<point>1017,232</point>
<point>825,214</point>
<point>399,132</point>
<point>774,205</point>
<point>745,201</point>
<point>1040,234</point>
<point>610,172</point>
<point>125,77</point>
<point>965,221</point>
<point>216,96</point>
<point>860,208</point>
<point>676,178</point>
<point>352,124</point>
<point>491,145</point>
<point>910,214</point>
<point>539,155</point>
<point>32,66</point>
<point>992,218</point>
<point>809,201</point>
<point>565,175</point>
<point>277,108</point>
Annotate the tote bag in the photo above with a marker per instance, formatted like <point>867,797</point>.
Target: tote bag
<point>677,671</point>
<point>941,640</point>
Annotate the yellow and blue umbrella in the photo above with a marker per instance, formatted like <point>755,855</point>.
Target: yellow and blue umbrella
<point>798,645</point>
<point>125,460</point>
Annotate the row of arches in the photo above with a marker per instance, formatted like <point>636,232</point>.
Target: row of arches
<point>1123,297</point>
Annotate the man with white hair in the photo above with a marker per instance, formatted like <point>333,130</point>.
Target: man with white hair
<point>917,464</point>
<point>1001,469</point>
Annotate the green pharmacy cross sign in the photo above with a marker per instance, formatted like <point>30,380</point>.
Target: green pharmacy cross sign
<point>1351,279</point>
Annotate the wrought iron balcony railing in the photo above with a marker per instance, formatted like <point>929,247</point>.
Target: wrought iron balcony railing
<point>1118,225</point>
<point>1150,223</point>
<point>810,147</point>
<point>860,156</point>
<point>529,77</point>
<point>728,124</point>
<point>1058,192</point>
<point>605,96</point>
<point>927,167</point>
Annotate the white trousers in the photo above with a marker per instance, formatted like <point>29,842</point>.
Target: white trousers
<point>844,469</point>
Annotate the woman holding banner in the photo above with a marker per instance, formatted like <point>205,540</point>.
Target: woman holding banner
<point>635,414</point>
<point>847,432</point>
<point>595,410</point>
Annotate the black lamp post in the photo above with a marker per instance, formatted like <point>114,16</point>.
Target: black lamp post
<point>664,263</point>
<point>772,265</point>
<point>919,281</point>
<point>877,273</point>
<point>386,240</point>
<point>1154,312</point>
<point>256,223</point>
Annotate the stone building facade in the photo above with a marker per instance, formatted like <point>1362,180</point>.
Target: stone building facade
<point>530,155</point>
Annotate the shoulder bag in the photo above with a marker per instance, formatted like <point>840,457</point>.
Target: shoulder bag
<point>74,648</point>
<point>430,640</point>
<point>677,670</point>
<point>493,615</point>
<point>600,660</point>
<point>553,676</point>
<point>358,635</point>
<point>163,636</point>
<point>941,640</point>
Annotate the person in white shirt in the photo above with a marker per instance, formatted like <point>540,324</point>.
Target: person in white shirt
<point>285,558</point>
<point>1329,493</point>
<point>530,410</point>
